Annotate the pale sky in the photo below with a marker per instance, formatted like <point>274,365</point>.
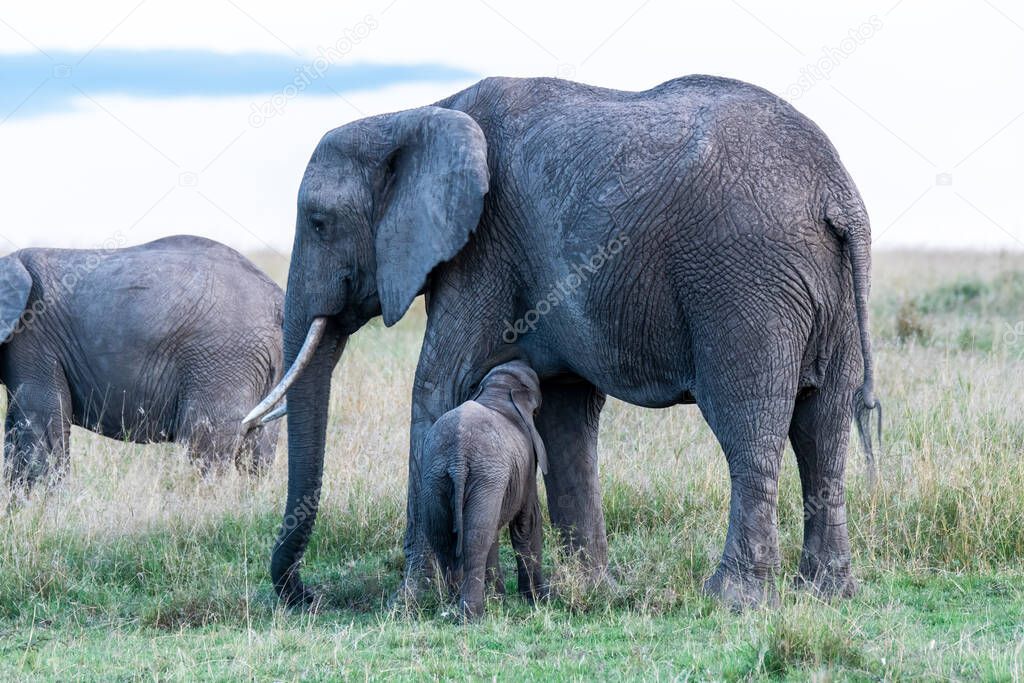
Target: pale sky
<point>143,119</point>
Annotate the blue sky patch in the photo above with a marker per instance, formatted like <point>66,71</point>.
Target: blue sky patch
<point>34,83</point>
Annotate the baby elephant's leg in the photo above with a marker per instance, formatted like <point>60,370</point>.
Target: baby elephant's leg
<point>480,519</point>
<point>475,555</point>
<point>527,539</point>
<point>495,575</point>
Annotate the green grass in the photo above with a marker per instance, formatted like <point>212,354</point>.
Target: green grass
<point>138,568</point>
<point>934,627</point>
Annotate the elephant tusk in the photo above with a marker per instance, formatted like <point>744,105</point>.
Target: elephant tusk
<point>275,414</point>
<point>313,337</point>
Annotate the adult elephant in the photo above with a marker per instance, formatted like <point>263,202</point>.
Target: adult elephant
<point>699,242</point>
<point>156,342</point>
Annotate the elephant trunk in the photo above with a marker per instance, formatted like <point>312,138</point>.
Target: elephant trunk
<point>308,398</point>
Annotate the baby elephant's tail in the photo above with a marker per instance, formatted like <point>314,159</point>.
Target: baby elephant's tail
<point>457,473</point>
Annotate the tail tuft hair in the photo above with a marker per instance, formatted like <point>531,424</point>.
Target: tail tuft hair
<point>863,404</point>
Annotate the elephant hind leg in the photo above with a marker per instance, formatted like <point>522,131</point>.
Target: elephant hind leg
<point>481,517</point>
<point>819,433</point>
<point>208,425</point>
<point>37,441</point>
<point>747,399</point>
<point>210,444</point>
<point>257,449</point>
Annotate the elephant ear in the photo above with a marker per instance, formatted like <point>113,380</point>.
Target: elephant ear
<point>437,187</point>
<point>15,285</point>
<point>523,402</point>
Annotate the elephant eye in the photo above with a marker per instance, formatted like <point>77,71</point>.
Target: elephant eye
<point>321,225</point>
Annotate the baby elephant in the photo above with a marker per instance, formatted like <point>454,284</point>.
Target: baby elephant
<point>479,474</point>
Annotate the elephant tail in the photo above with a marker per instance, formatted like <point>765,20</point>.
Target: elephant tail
<point>848,219</point>
<point>457,473</point>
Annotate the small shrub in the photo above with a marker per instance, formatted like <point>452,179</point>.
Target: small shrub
<point>979,339</point>
<point>910,324</point>
<point>953,296</point>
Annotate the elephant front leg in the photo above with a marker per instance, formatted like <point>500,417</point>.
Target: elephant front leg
<point>527,540</point>
<point>568,423</point>
<point>37,438</point>
<point>418,557</point>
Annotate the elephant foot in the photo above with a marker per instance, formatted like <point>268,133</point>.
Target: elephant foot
<point>297,594</point>
<point>470,611</point>
<point>420,568</point>
<point>472,601</point>
<point>406,598</point>
<point>603,579</point>
<point>534,595</point>
<point>826,581</point>
<point>740,592</point>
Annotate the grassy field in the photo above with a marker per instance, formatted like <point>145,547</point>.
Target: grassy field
<point>136,567</point>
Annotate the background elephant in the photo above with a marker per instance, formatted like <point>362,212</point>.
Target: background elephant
<point>698,242</point>
<point>165,341</point>
<point>479,475</point>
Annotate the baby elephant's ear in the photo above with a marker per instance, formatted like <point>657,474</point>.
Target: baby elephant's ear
<point>523,402</point>
<point>15,285</point>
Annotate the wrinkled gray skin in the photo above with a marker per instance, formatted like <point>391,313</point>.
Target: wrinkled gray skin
<point>479,475</point>
<point>738,281</point>
<point>166,341</point>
